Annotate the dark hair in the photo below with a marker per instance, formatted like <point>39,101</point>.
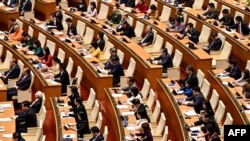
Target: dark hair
<point>190,68</point>
<point>57,60</point>
<point>215,34</point>
<point>26,103</point>
<point>16,135</point>
<point>25,34</point>
<point>131,79</point>
<point>211,5</point>
<point>37,43</point>
<point>165,50</point>
<point>180,10</point>
<point>206,115</point>
<point>60,7</point>
<point>188,82</point>
<point>146,127</point>
<point>78,100</point>
<point>225,11</point>
<point>114,58</point>
<point>69,20</point>
<point>12,19</point>
<point>93,4</point>
<point>178,20</point>
<point>14,60</point>
<point>95,129</point>
<point>74,89</point>
<point>134,91</point>
<point>153,7</point>
<point>238,18</point>
<point>197,89</point>
<point>136,101</point>
<point>117,5</point>
<point>62,66</point>
<point>190,24</point>
<point>232,61</point>
<point>125,22</point>
<point>246,74</point>
<point>27,70</point>
<point>47,51</point>
<point>101,35</point>
<point>94,44</point>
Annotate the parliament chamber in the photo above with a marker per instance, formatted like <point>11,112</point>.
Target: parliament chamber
<point>123,70</point>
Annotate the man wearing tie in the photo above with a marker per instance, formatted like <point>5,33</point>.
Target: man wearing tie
<point>12,73</point>
<point>55,22</point>
<point>97,136</point>
<point>22,84</point>
<point>227,19</point>
<point>148,39</point>
<point>71,28</point>
<point>215,44</point>
<point>25,6</point>
<point>240,26</point>
<point>11,3</point>
<point>62,77</point>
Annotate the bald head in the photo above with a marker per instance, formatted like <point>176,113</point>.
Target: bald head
<point>16,28</point>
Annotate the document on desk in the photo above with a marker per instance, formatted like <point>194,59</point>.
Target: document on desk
<point>190,113</point>
<point>5,105</point>
<point>198,128</point>
<point>122,106</point>
<point>88,56</point>
<point>225,83</point>
<point>58,33</point>
<point>7,135</point>
<point>5,119</point>
<point>128,113</point>
<point>9,9</point>
<point>130,128</point>
<point>69,136</point>
<point>117,95</point>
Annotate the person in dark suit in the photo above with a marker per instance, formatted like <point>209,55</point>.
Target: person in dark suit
<point>96,135</point>
<point>240,26</point>
<point>116,70</point>
<point>11,3</point>
<point>55,22</point>
<point>128,3</point>
<point>126,30</point>
<point>227,19</point>
<point>79,107</point>
<point>233,70</point>
<point>139,107</point>
<point>62,77</point>
<point>71,28</point>
<point>211,13</point>
<point>177,27</point>
<point>81,6</point>
<point>197,100</point>
<point>12,73</point>
<point>27,41</point>
<point>192,33</point>
<point>148,38</point>
<point>164,59</point>
<point>113,53</point>
<point>37,103</point>
<point>191,76</point>
<point>17,137</point>
<point>25,6</point>
<point>73,96</point>
<point>58,13</point>
<point>100,40</point>
<point>26,118</point>
<point>215,44</point>
<point>22,84</point>
<point>12,24</point>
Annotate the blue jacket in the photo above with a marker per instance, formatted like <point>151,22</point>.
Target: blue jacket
<point>24,83</point>
<point>188,91</point>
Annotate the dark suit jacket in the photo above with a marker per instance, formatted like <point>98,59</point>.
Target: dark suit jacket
<point>211,14</point>
<point>25,6</point>
<point>76,110</point>
<point>37,106</point>
<point>234,72</point>
<point>72,29</point>
<point>142,109</point>
<point>193,80</point>
<point>194,35</point>
<point>12,73</point>
<point>13,3</point>
<point>128,3</point>
<point>212,122</point>
<point>197,102</point>
<point>28,118</point>
<point>127,31</point>
<point>101,44</point>
<point>148,39</point>
<point>165,61</point>
<point>117,72</point>
<point>59,15</point>
<point>24,84</point>
<point>81,7</point>
<point>63,78</point>
<point>72,99</point>
<point>244,28</point>
<point>215,45</point>
<point>99,138</point>
<point>58,24</point>
<point>83,126</point>
<point>227,21</point>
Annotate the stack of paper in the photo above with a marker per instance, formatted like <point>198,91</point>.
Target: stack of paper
<point>128,113</point>
<point>117,95</point>
<point>5,105</point>
<point>122,106</point>
<point>5,119</point>
<point>7,135</point>
<point>190,113</point>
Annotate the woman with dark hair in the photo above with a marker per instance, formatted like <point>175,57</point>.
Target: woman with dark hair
<point>135,95</point>
<point>146,134</point>
<point>92,11</point>
<point>17,137</point>
<point>95,50</point>
<point>208,108</point>
<point>143,118</point>
<point>154,13</point>
<point>55,65</point>
<point>81,6</point>
<point>47,58</point>
<point>73,96</point>
<point>38,50</point>
<point>187,89</point>
<point>243,80</point>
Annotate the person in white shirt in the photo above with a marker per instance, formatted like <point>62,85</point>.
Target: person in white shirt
<point>92,11</point>
<point>243,80</point>
<point>142,119</point>
<point>135,95</point>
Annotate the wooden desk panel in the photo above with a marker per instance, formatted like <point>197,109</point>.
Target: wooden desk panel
<point>5,16</point>
<point>43,8</point>
<point>3,91</point>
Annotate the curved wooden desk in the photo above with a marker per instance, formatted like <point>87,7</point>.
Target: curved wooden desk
<point>43,8</point>
<point>5,16</point>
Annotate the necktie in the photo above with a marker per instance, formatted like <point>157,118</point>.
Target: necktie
<point>211,45</point>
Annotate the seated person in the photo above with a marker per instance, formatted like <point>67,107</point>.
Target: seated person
<point>197,100</point>
<point>58,13</point>
<point>126,30</point>
<point>240,26</point>
<point>153,12</point>
<point>130,84</point>
<point>145,134</point>
<point>124,18</point>
<point>227,19</point>
<point>116,70</point>
<point>96,135</point>
<point>81,6</point>
<point>211,13</point>
<point>22,84</point>
<point>141,7</point>
<point>142,119</point>
<point>164,59</point>
<point>25,6</point>
<point>17,35</point>
<point>187,90</point>
<point>82,125</point>
<point>55,65</point>
<point>116,16</point>
<point>243,80</point>
<point>139,107</point>
<point>37,103</point>
<point>17,137</point>
<point>148,38</point>
<point>191,76</point>
<point>27,41</point>
<point>128,3</point>
<point>53,21</point>
<point>62,77</point>
<point>178,14</point>
<point>192,33</point>
<point>26,118</point>
<point>12,24</point>
<point>135,95</point>
<point>246,89</point>
<point>47,58</point>
<point>215,44</point>
<point>11,3</point>
<point>113,53</point>
<point>38,50</point>
<point>73,95</point>
<point>71,32</point>
<point>188,3</point>
<point>78,108</point>
<point>233,70</point>
<point>95,50</point>
<point>92,11</point>
<point>100,40</point>
<point>12,73</point>
<point>178,26</point>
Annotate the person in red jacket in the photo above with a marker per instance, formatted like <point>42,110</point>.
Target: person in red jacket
<point>141,7</point>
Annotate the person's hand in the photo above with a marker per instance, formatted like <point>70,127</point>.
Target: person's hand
<point>188,35</point>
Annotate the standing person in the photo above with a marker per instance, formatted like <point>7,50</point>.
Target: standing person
<point>62,77</point>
